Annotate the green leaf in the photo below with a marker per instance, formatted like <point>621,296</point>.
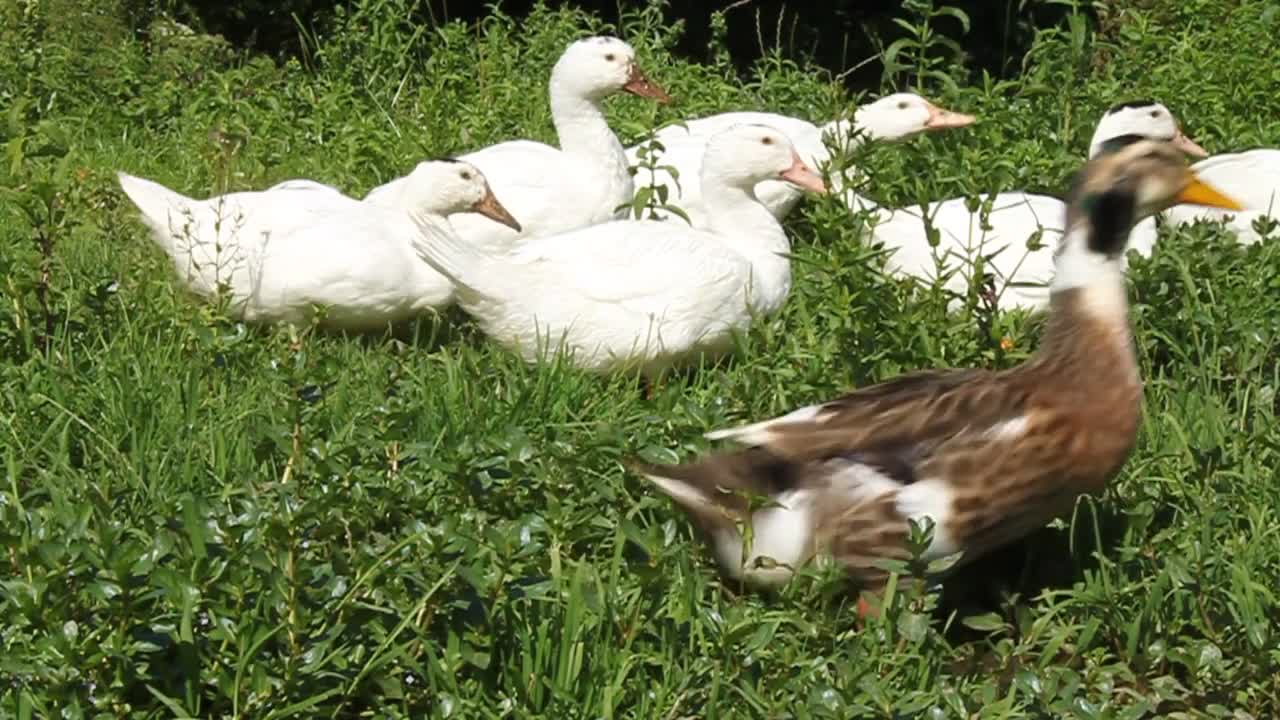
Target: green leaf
<point>957,13</point>
<point>988,622</point>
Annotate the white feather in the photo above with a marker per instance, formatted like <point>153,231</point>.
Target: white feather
<point>862,482</point>
<point>780,533</point>
<point>679,491</point>
<point>1010,429</point>
<point>1100,277</point>
<point>761,433</point>
<point>932,498</point>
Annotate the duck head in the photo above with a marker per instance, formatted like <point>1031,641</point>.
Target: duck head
<point>901,115</point>
<point>1130,179</point>
<point>445,187</point>
<point>1143,118</point>
<point>599,66</point>
<point>748,154</point>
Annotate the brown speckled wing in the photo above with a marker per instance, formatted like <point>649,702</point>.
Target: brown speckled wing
<point>890,428</point>
<point>904,418</point>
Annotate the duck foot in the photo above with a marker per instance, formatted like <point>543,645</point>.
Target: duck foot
<point>866,611</point>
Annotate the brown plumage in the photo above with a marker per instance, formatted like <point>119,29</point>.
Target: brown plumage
<point>988,456</point>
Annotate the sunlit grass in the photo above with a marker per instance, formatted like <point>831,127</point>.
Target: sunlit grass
<point>204,519</point>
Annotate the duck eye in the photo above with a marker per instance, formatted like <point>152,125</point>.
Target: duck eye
<point>1155,113</point>
<point>466,175</point>
<point>902,105</point>
<point>766,140</point>
<point>610,57</point>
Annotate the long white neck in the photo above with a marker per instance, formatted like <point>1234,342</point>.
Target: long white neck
<point>1099,278</point>
<point>583,130</point>
<point>841,131</point>
<point>748,228</point>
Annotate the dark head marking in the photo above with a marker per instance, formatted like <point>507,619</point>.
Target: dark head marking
<point>1120,142</point>
<point>446,159</point>
<point>1129,104</point>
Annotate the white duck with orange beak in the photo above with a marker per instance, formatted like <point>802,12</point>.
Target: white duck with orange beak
<point>579,183</point>
<point>642,294</point>
<point>891,118</point>
<point>278,254</point>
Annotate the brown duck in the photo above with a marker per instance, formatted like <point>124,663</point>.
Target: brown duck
<point>987,456</point>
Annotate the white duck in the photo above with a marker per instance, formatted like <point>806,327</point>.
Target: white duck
<point>279,253</point>
<point>1020,231</point>
<point>643,294</point>
<point>580,183</point>
<point>1252,177</point>
<point>892,117</point>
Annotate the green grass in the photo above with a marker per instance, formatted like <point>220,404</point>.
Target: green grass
<point>205,519</point>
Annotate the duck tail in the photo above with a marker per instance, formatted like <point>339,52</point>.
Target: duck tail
<point>449,254</point>
<point>159,205</point>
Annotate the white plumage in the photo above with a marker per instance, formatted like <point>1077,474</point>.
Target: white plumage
<point>580,183</point>
<point>279,252</point>
<point>645,293</point>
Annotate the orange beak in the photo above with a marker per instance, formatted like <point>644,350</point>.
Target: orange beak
<point>492,209</point>
<point>803,176</point>
<point>940,119</point>
<point>1188,146</point>
<point>1198,192</point>
<point>638,84</point>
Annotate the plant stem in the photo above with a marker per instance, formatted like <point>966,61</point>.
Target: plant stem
<point>44,239</point>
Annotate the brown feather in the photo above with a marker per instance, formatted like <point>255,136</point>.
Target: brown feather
<point>1079,398</point>
<point>1005,451</point>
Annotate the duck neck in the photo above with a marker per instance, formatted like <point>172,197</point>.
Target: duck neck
<point>842,134</point>
<point>838,132</point>
<point>1086,351</point>
<point>1091,282</point>
<point>581,126</point>
<point>748,228</point>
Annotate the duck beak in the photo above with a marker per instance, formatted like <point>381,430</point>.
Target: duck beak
<point>1188,146</point>
<point>803,176</point>
<point>492,209</point>
<point>1198,192</point>
<point>638,84</point>
<point>940,119</point>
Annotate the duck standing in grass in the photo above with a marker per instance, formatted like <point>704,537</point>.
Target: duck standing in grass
<point>280,252</point>
<point>580,183</point>
<point>641,294</point>
<point>988,457</point>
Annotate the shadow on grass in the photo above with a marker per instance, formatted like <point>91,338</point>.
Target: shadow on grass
<point>1015,575</point>
<point>430,332</point>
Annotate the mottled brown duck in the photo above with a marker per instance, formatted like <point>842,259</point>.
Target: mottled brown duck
<point>987,456</point>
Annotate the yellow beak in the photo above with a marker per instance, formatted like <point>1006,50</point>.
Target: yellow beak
<point>1198,192</point>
